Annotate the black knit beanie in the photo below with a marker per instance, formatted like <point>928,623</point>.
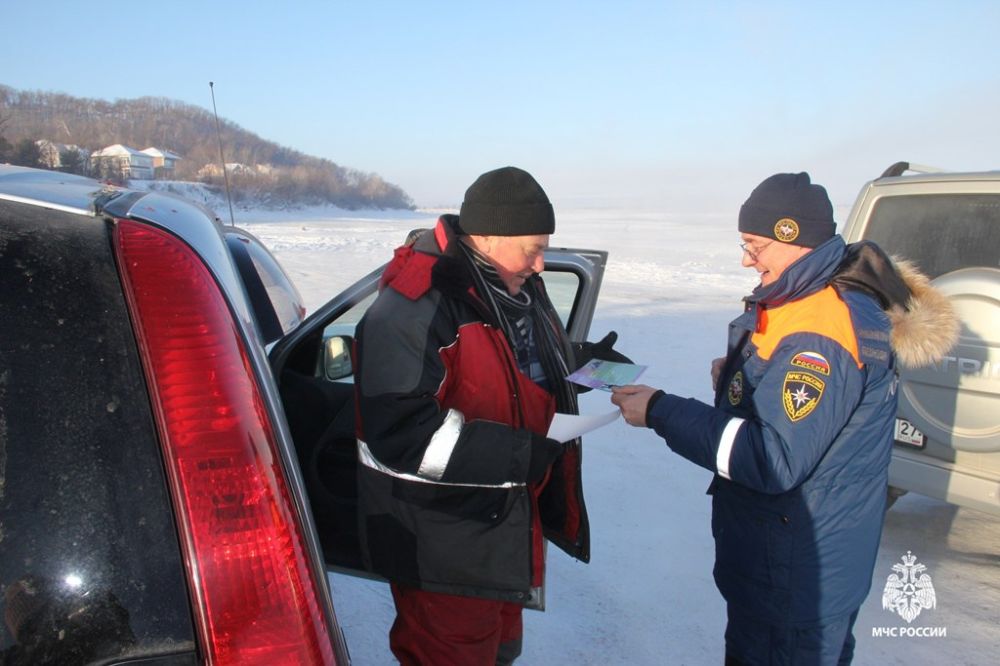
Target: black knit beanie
<point>790,209</point>
<point>506,202</point>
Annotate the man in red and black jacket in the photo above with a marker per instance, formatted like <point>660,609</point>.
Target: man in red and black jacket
<point>461,366</point>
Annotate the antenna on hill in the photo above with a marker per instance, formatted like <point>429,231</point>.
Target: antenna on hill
<point>222,158</point>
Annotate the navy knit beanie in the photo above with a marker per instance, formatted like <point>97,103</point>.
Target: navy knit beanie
<point>790,209</point>
<point>506,202</point>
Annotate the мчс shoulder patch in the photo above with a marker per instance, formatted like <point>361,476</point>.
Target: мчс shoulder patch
<point>735,392</point>
<point>811,360</point>
<point>800,394</point>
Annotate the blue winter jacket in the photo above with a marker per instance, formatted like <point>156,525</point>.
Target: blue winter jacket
<point>799,439</point>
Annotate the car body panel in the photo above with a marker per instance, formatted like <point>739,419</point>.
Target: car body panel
<point>949,225</point>
<point>50,189</point>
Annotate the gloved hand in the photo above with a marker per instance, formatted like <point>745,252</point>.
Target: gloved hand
<point>601,350</point>
<point>544,452</point>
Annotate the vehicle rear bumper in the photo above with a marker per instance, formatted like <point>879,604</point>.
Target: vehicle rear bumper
<point>944,481</point>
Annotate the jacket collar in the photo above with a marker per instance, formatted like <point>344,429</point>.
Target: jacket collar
<point>433,259</point>
<point>807,275</point>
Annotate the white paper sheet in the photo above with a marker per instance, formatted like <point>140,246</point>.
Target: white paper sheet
<point>565,427</point>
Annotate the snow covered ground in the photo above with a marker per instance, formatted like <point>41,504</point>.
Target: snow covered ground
<point>647,597</point>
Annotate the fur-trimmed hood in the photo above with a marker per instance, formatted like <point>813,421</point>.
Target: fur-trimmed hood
<point>924,324</point>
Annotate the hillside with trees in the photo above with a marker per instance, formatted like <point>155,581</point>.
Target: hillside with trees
<point>260,172</point>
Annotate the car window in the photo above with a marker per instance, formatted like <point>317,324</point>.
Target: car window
<point>562,287</point>
<point>940,232</point>
<point>90,564</point>
<point>348,321</point>
<point>277,304</point>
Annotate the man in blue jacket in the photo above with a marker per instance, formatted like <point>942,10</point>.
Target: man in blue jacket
<point>800,436</point>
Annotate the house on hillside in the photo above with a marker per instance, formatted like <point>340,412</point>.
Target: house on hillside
<point>212,170</point>
<point>51,154</point>
<point>122,162</point>
<point>209,171</point>
<point>164,161</point>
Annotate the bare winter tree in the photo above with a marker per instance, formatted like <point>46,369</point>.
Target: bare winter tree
<point>5,146</point>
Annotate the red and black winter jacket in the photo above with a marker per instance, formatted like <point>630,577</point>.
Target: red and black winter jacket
<point>445,426</point>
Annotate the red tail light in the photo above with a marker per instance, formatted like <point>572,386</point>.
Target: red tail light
<point>255,598</point>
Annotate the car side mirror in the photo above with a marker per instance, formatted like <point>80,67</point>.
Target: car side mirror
<point>337,357</point>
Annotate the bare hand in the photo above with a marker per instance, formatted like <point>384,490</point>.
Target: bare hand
<point>633,400</point>
<point>716,371</point>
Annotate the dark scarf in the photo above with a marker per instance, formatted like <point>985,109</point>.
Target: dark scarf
<point>525,324</point>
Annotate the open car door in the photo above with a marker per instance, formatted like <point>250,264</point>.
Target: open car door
<point>312,366</point>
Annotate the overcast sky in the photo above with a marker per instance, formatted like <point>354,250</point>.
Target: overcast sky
<point>681,105</point>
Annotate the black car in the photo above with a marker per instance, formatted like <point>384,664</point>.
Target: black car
<point>176,441</point>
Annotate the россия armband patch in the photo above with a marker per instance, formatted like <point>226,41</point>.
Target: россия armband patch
<point>811,360</point>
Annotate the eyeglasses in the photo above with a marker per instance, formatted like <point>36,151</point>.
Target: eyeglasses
<point>754,254</point>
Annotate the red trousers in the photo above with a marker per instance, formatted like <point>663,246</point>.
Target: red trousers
<point>449,630</point>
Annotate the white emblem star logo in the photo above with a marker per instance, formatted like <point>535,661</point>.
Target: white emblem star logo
<point>801,397</point>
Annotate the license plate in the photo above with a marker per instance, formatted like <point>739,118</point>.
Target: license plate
<point>907,434</point>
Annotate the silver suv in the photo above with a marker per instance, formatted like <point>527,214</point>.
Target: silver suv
<point>948,430</point>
